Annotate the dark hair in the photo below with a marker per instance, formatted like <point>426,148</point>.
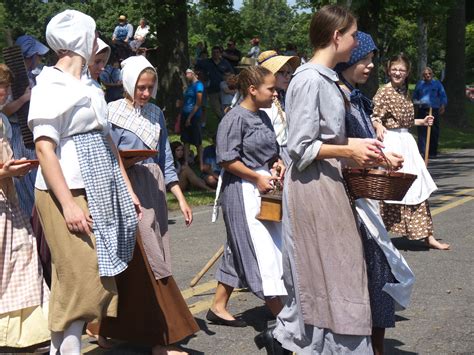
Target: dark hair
<point>253,75</point>
<point>216,48</point>
<point>175,145</point>
<point>325,21</point>
<point>401,57</point>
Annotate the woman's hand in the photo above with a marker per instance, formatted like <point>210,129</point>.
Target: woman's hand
<point>138,206</point>
<point>274,170</point>
<point>17,170</point>
<point>427,121</point>
<point>264,184</point>
<point>396,160</point>
<point>187,123</point>
<point>186,211</point>
<point>380,131</point>
<point>365,152</point>
<point>76,219</point>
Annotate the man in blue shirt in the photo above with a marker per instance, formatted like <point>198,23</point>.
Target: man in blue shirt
<point>429,92</point>
<point>214,68</point>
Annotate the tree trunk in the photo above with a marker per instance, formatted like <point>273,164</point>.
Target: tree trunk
<point>369,22</point>
<point>422,46</point>
<point>456,64</point>
<point>172,57</point>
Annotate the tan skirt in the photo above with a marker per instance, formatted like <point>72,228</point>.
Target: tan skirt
<point>151,312</point>
<point>411,221</point>
<point>77,290</point>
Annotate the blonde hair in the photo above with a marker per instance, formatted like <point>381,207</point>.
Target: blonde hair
<point>6,75</point>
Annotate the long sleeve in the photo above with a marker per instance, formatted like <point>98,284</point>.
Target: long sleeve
<point>380,109</point>
<point>442,94</point>
<point>303,115</point>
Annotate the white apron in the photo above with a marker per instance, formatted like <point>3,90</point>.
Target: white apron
<point>402,142</point>
<point>266,239</point>
<point>369,212</point>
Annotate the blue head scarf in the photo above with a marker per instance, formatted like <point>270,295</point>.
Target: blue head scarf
<point>354,127</point>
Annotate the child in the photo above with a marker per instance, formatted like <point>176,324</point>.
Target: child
<point>22,289</point>
<point>246,149</point>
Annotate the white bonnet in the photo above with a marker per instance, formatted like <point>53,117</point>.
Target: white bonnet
<point>131,69</point>
<point>102,45</point>
<point>72,30</point>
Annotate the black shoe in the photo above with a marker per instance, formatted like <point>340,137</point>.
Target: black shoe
<point>214,318</point>
<point>273,347</point>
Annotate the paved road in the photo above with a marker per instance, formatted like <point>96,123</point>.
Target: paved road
<point>440,319</point>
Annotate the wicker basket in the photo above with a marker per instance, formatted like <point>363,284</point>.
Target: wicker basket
<point>377,184</point>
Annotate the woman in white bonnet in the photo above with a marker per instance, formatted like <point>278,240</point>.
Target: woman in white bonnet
<point>91,238</point>
<point>149,297</point>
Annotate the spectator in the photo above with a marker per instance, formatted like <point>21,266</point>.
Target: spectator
<point>254,52</point>
<point>123,31</point>
<point>429,93</point>
<point>186,175</point>
<point>111,78</point>
<point>232,54</point>
<point>291,50</point>
<point>214,68</point>
<point>211,171</point>
<point>121,38</point>
<point>140,35</point>
<point>228,90</point>
<point>191,114</point>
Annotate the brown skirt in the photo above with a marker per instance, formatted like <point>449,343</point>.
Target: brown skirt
<point>411,221</point>
<point>150,312</point>
<point>77,290</point>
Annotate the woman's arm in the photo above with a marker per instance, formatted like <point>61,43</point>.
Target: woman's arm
<point>239,169</point>
<point>183,204</point>
<point>12,107</point>
<point>364,152</point>
<point>427,121</point>
<point>76,219</point>
<point>195,108</point>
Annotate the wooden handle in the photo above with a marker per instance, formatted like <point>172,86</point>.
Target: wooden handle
<point>427,143</point>
<point>206,267</point>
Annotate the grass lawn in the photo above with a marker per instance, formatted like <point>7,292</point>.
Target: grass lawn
<point>195,197</point>
<point>452,138</point>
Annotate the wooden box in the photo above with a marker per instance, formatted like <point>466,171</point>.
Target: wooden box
<point>271,207</point>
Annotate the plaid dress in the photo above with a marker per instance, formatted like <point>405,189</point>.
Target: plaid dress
<point>21,277</point>
<point>109,202</point>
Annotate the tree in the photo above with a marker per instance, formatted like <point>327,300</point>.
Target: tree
<point>172,56</point>
<point>456,64</point>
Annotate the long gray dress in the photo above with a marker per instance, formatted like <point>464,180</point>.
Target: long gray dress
<point>249,137</point>
<point>328,308</point>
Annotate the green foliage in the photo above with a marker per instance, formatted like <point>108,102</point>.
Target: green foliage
<point>470,53</point>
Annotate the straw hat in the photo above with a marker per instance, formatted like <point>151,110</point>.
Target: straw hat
<point>122,18</point>
<point>274,62</point>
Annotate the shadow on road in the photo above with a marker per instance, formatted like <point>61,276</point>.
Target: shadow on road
<point>391,347</point>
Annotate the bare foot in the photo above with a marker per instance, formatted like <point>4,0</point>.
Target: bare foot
<point>167,350</point>
<point>223,313</point>
<point>432,243</point>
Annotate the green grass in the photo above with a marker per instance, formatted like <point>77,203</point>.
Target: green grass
<point>452,138</point>
<point>195,197</point>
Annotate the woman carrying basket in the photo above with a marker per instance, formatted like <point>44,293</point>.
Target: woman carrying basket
<point>328,306</point>
<point>393,115</point>
<point>390,279</point>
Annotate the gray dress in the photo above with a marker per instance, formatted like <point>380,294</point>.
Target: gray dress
<point>249,137</point>
<point>328,308</point>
